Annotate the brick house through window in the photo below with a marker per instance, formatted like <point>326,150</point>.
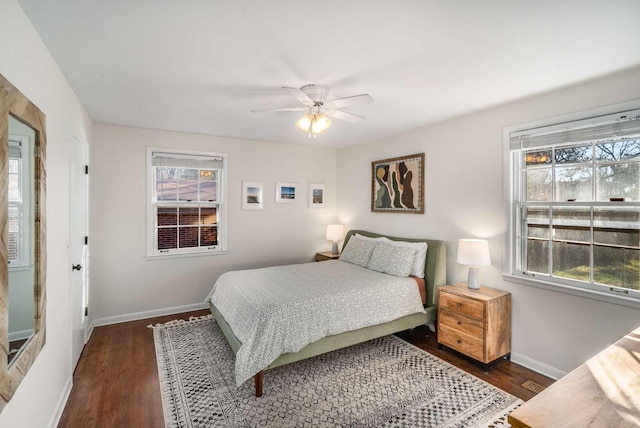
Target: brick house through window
<point>186,202</point>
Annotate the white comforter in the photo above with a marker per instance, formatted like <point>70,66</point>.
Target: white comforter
<point>282,309</point>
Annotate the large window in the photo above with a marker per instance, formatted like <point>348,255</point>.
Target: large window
<point>575,204</point>
<point>19,200</point>
<point>186,204</point>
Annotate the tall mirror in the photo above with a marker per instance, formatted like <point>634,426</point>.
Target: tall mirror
<point>23,243</point>
<point>20,242</point>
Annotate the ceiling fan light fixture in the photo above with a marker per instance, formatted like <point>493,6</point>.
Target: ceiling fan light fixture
<point>313,123</point>
<point>304,122</point>
<point>314,103</point>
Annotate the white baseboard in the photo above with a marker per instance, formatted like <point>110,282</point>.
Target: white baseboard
<point>62,402</point>
<point>537,366</point>
<point>146,314</point>
<point>19,335</point>
<point>89,332</point>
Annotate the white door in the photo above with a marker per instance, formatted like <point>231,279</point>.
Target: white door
<point>79,250</point>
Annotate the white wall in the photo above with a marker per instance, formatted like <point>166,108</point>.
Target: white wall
<point>124,282</point>
<point>26,63</point>
<point>552,332</point>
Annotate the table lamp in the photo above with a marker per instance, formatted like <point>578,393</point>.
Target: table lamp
<point>473,253</point>
<point>335,233</point>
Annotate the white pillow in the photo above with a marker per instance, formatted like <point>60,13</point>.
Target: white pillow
<point>368,238</point>
<point>419,259</point>
<point>358,251</point>
<point>392,259</point>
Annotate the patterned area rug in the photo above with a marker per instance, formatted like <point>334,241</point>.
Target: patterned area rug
<point>383,382</point>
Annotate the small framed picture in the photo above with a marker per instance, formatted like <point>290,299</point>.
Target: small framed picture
<point>252,195</point>
<point>316,195</point>
<point>286,193</point>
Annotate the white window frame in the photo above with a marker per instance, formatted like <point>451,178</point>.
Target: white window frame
<point>151,206</point>
<point>511,191</point>
<point>26,236</point>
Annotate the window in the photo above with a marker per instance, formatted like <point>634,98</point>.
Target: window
<point>19,232</point>
<point>187,203</point>
<point>575,204</point>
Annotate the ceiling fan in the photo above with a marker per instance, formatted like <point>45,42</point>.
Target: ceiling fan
<point>318,109</point>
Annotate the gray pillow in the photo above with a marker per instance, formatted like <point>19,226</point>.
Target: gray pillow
<point>392,259</point>
<point>419,259</point>
<point>357,251</point>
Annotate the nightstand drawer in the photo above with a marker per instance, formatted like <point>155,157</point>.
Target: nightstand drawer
<point>461,342</point>
<point>462,305</point>
<point>458,322</point>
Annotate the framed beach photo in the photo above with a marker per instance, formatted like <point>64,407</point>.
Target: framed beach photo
<point>316,195</point>
<point>286,193</point>
<point>252,195</point>
<point>397,185</point>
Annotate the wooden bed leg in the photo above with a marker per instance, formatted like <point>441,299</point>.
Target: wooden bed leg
<point>258,378</point>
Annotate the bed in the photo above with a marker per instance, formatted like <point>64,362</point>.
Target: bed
<point>326,340</point>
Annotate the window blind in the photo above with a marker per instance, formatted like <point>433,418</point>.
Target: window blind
<point>176,160</point>
<point>615,127</point>
<point>15,151</point>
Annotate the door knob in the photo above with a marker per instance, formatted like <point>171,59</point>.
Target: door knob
<point>76,267</point>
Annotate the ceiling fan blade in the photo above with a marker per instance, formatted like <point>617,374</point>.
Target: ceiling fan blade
<point>343,115</point>
<point>299,95</point>
<point>349,101</point>
<point>280,109</point>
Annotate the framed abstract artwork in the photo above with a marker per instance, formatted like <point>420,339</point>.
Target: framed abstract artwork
<point>252,195</point>
<point>397,185</point>
<point>286,193</point>
<point>316,195</point>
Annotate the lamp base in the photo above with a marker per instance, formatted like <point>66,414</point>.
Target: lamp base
<point>472,280</point>
<point>334,249</point>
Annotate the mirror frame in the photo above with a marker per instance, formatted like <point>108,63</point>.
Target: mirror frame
<point>14,103</point>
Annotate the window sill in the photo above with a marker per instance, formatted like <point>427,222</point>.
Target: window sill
<point>20,268</point>
<point>183,255</point>
<point>620,300</point>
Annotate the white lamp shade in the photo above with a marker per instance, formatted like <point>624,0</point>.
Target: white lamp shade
<point>335,232</point>
<point>473,252</point>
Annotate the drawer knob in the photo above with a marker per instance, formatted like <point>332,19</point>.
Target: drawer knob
<point>459,322</point>
<point>459,341</point>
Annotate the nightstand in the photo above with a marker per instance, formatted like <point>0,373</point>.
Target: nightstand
<point>328,255</point>
<point>476,323</point>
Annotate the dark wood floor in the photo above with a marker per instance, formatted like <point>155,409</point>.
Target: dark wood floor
<point>116,381</point>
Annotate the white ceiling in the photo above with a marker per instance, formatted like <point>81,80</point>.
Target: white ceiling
<point>202,65</point>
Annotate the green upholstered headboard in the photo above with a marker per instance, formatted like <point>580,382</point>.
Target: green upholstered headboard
<point>435,270</point>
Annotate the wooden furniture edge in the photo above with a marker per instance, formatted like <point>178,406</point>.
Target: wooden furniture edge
<point>592,393</point>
